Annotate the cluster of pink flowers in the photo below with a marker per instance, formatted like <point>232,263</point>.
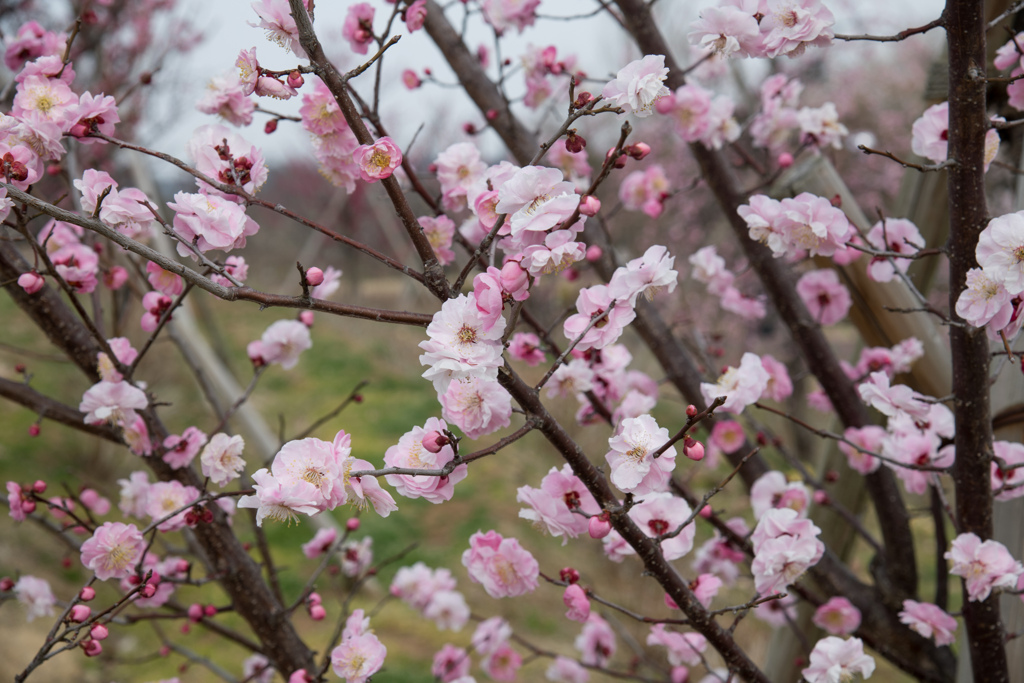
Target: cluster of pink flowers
<point>123,209</point>
<point>773,491</point>
<point>646,190</point>
<point>545,74</point>
<point>333,142</point>
<point>993,296</point>
<point>709,268</point>
<point>639,85</point>
<point>225,156</point>
<point>310,476</point>
<point>763,28</point>
<point>432,592</point>
<point>208,221</point>
<point>503,567</point>
<point>503,14</point>
<point>697,117</point>
<point>930,135</point>
<point>785,546</point>
<point>805,223</point>
<point>557,504</point>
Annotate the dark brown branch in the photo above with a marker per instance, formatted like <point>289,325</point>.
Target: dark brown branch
<point>902,35</point>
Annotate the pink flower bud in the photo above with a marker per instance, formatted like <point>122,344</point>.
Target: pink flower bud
<point>639,150</point>
<point>491,114</point>
<point>33,429</point>
<point>306,318</point>
<point>31,282</point>
<point>165,650</point>
<point>185,628</point>
<point>569,575</point>
<point>91,647</point>
<point>295,80</point>
<point>182,566</point>
<point>574,142</point>
<point>314,598</point>
<point>705,512</point>
<point>599,527</point>
<point>582,100</point>
<point>6,584</point>
<point>589,206</point>
<point>89,498</point>
<point>99,632</point>
<point>691,410</point>
<point>468,128</point>
<point>570,274</point>
<point>594,253</point>
<point>53,169</point>
<point>80,613</point>
<point>210,611</point>
<point>39,486</point>
<point>831,476</point>
<point>513,277</point>
<point>670,603</point>
<point>317,612</point>
<point>434,441</point>
<point>195,612</point>
<point>29,506</point>
<point>299,676</point>
<point>694,450</point>
<point>785,160</point>
<point>87,594</point>
<point>270,126</point>
<point>352,524</point>
<point>410,79</point>
<point>821,498</point>
<point>314,276</point>
<point>148,591</point>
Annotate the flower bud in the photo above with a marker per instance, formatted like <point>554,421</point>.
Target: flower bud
<point>314,598</point>
<point>691,410</point>
<point>434,441</point>
<point>99,632</point>
<point>195,612</point>
<point>513,277</point>
<point>6,584</point>
<point>575,142</point>
<point>569,575</point>
<point>306,318</point>
<point>589,206</point>
<point>210,611</point>
<point>299,676</point>
<point>29,506</point>
<point>148,591</point>
<point>115,278</point>
<point>270,126</point>
<point>182,566</point>
<point>352,523</point>
<point>582,99</point>
<point>33,430</point>
<point>31,282</point>
<point>705,512</point>
<point>599,526</point>
<point>39,486</point>
<point>317,612</point>
<point>785,160</point>
<point>53,169</point>
<point>491,114</point>
<point>295,80</point>
<point>821,498</point>
<point>314,277</point>
<point>91,647</point>
<point>831,476</point>
<point>638,151</point>
<point>79,613</point>
<point>694,450</point>
<point>670,603</point>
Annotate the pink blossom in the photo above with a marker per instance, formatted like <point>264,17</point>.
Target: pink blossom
<point>363,491</point>
<point>356,557</point>
<point>503,663</point>
<point>1008,54</point>
<point>22,167</point>
<point>565,670</point>
<point>227,157</point>
<point>164,497</point>
<point>1000,251</point>
<point>525,346</point>
<point>477,405</point>
<point>916,448</point>
<point>226,98</point>
<point>577,602</point>
<point>741,386</point>
<point>984,301</point>
<point>448,610</point>
<point>417,585</point>
<point>639,85</point>
<point>709,268</point>
<point>276,19</point>
<point>113,550</point>
<point>111,402</point>
<point>458,168</point>
<point>1008,484</point>
<point>379,160</point>
<point>557,253</point>
<point>690,109</point>
<point>489,295</point>
<point>30,42</point>
<point>222,459</point>
<point>450,663</point>
<point>409,452</point>
<point>536,199</point>
<point>501,14</point>
<point>596,642</point>
<point>284,341</point>
<point>785,546</point>
<point>45,98</point>
<point>555,503</point>
<point>780,387</point>
<point>895,235</point>
<point>500,564</point>
<point>593,303</point>
<point>762,216</point>
<point>358,657</point>
<point>705,588</point>
<point>93,114</point>
<point>462,344</point>
<point>35,593</point>
<point>490,635</point>
<point>660,513</point>
<point>867,438</point>
<point>648,275</point>
<point>645,190</point>
<point>834,659</point>
<point>930,133</point>
<point>134,491</point>
<point>772,490</point>
<point>683,648</point>
<point>812,223</point>
<point>728,436</point>
<point>416,15</point>
<point>726,31</point>
<point>820,126</point>
<point>320,543</point>
<point>358,27</point>
<point>217,223</point>
<point>439,231</point>
<point>838,617</point>
<point>984,566</point>
<point>892,400</point>
<point>789,26</point>
<point>929,620</point>
<point>827,299</point>
<point>31,282</point>
<point>633,467</point>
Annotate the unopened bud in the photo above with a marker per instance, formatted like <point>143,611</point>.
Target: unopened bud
<point>6,584</point>
<point>638,151</point>
<point>691,410</point>
<point>270,126</point>
<point>582,99</point>
<point>306,318</point>
<point>434,441</point>
<point>831,476</point>
<point>148,591</point>
<point>705,512</point>
<point>785,160</point>
<point>694,450</point>
<point>314,598</point>
<point>91,647</point>
<point>574,142</point>
<point>352,524</point>
<point>491,114</point>
<point>594,253</point>
<point>210,611</point>
<point>599,526</point>
<point>314,277</point>
<point>569,575</point>
<point>670,603</point>
<point>295,80</point>
<point>821,498</point>
<point>317,612</point>
<point>195,612</point>
<point>589,206</point>
<point>79,613</point>
<point>39,486</point>
<point>87,594</point>
<point>99,632</point>
<point>33,429</point>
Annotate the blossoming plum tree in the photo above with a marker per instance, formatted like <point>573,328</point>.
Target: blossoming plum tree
<point>81,252</point>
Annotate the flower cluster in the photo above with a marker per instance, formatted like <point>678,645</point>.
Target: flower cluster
<point>771,28</point>
<point>805,223</point>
